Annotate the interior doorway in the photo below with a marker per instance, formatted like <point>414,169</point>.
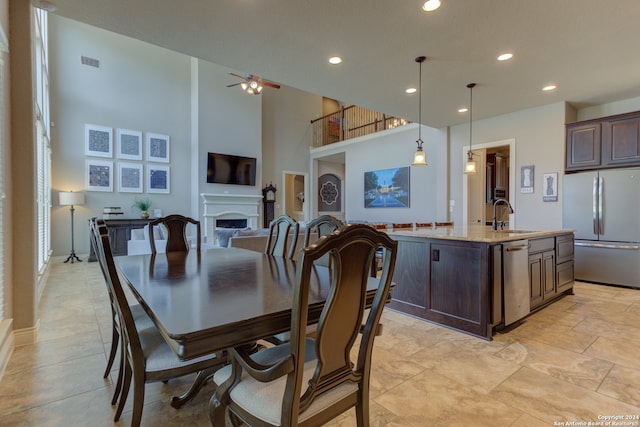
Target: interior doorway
<point>295,188</point>
<point>495,180</point>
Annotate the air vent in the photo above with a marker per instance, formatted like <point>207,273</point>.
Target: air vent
<point>92,62</point>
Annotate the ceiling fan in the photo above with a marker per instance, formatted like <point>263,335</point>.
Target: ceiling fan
<point>253,84</point>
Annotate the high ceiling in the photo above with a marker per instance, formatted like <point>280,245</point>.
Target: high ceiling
<point>590,49</point>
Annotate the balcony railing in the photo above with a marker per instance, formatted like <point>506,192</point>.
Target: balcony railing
<point>351,122</point>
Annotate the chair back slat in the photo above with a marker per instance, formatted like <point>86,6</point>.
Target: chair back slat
<point>278,242</point>
<point>351,250</point>
<point>176,229</point>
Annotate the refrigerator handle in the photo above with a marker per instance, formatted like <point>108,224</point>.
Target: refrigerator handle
<point>596,225</point>
<point>600,218</point>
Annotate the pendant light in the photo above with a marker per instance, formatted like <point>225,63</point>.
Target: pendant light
<point>419,158</point>
<point>470,167</point>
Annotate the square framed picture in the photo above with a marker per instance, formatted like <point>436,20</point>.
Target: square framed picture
<point>129,177</point>
<point>158,148</point>
<point>99,175</point>
<point>129,144</point>
<point>158,179</point>
<point>98,141</point>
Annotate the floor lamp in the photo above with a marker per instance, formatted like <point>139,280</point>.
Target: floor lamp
<point>69,198</point>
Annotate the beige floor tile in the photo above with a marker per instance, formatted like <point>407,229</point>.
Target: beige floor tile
<point>431,399</point>
<point>553,400</point>
<point>620,351</point>
<point>622,384</point>
<point>571,367</point>
<point>604,328</point>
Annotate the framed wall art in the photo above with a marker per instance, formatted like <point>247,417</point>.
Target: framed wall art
<point>98,141</point>
<point>129,144</point>
<point>526,179</point>
<point>388,188</point>
<point>130,177</point>
<point>99,175</point>
<point>158,179</point>
<point>550,187</point>
<point>158,148</point>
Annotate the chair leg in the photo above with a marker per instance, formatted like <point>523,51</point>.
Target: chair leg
<point>138,398</point>
<point>118,388</point>
<point>198,382</point>
<point>115,337</point>
<point>126,384</point>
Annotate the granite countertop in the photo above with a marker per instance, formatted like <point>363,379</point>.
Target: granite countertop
<point>477,233</point>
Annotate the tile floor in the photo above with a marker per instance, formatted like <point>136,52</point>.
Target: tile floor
<point>575,361</point>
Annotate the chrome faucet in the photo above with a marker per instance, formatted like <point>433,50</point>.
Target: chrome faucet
<point>494,223</point>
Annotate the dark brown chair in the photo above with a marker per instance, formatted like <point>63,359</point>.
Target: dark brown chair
<point>402,225</point>
<point>444,223</point>
<point>176,230</point>
<point>424,224</point>
<point>321,226</point>
<point>307,382</point>
<point>278,242</point>
<point>147,356</point>
<point>140,317</point>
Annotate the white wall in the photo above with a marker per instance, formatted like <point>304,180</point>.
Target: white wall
<point>610,109</point>
<point>540,141</point>
<point>141,87</point>
<point>391,149</point>
<point>287,134</point>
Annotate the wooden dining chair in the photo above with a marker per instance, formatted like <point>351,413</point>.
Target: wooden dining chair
<point>175,227</point>
<point>307,382</point>
<point>424,224</point>
<point>444,223</point>
<point>140,317</point>
<point>402,225</point>
<point>146,355</point>
<point>320,226</point>
<point>278,242</point>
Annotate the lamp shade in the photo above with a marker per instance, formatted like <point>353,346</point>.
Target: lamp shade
<point>71,198</point>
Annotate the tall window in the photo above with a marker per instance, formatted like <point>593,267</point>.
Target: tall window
<point>43,151</point>
<point>4,48</point>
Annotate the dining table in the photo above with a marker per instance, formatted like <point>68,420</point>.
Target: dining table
<point>214,299</point>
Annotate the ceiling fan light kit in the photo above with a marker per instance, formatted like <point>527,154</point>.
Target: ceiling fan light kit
<point>252,84</point>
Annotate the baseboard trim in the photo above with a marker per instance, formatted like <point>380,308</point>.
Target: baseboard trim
<point>6,344</point>
<point>26,336</point>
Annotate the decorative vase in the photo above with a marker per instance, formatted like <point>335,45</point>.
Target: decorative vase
<point>144,214</point>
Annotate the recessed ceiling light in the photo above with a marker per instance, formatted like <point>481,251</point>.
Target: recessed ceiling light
<point>463,110</point>
<point>548,88</point>
<point>411,90</point>
<point>431,5</point>
<point>335,60</point>
<point>505,56</point>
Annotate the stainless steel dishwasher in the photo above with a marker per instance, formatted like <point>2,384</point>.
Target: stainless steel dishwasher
<point>515,270</point>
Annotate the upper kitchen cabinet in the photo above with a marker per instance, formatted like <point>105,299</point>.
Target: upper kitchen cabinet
<point>603,143</point>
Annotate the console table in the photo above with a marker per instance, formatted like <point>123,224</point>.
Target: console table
<point>119,234</point>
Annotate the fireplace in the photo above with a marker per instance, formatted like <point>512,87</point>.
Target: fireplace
<point>238,208</point>
<point>231,223</point>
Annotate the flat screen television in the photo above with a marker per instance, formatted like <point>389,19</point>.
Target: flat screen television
<point>228,169</point>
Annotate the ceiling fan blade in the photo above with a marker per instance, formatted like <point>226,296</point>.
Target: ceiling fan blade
<point>235,84</point>
<point>238,75</point>
<point>273,85</point>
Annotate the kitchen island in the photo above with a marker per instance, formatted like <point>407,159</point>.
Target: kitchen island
<point>468,278</point>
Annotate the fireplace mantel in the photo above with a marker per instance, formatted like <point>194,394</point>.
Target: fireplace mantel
<point>229,206</point>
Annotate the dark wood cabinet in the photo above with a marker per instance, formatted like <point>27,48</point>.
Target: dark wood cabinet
<point>497,177</point>
<point>431,284</point>
<point>621,142</point>
<point>583,148</point>
<point>607,142</point>
<point>550,268</point>
<point>119,234</point>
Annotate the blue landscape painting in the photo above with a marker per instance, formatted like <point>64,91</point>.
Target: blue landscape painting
<point>388,188</point>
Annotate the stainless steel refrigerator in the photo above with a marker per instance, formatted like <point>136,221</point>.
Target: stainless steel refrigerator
<point>604,209</point>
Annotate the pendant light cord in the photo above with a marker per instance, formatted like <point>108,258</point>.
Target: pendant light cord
<point>470,86</point>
